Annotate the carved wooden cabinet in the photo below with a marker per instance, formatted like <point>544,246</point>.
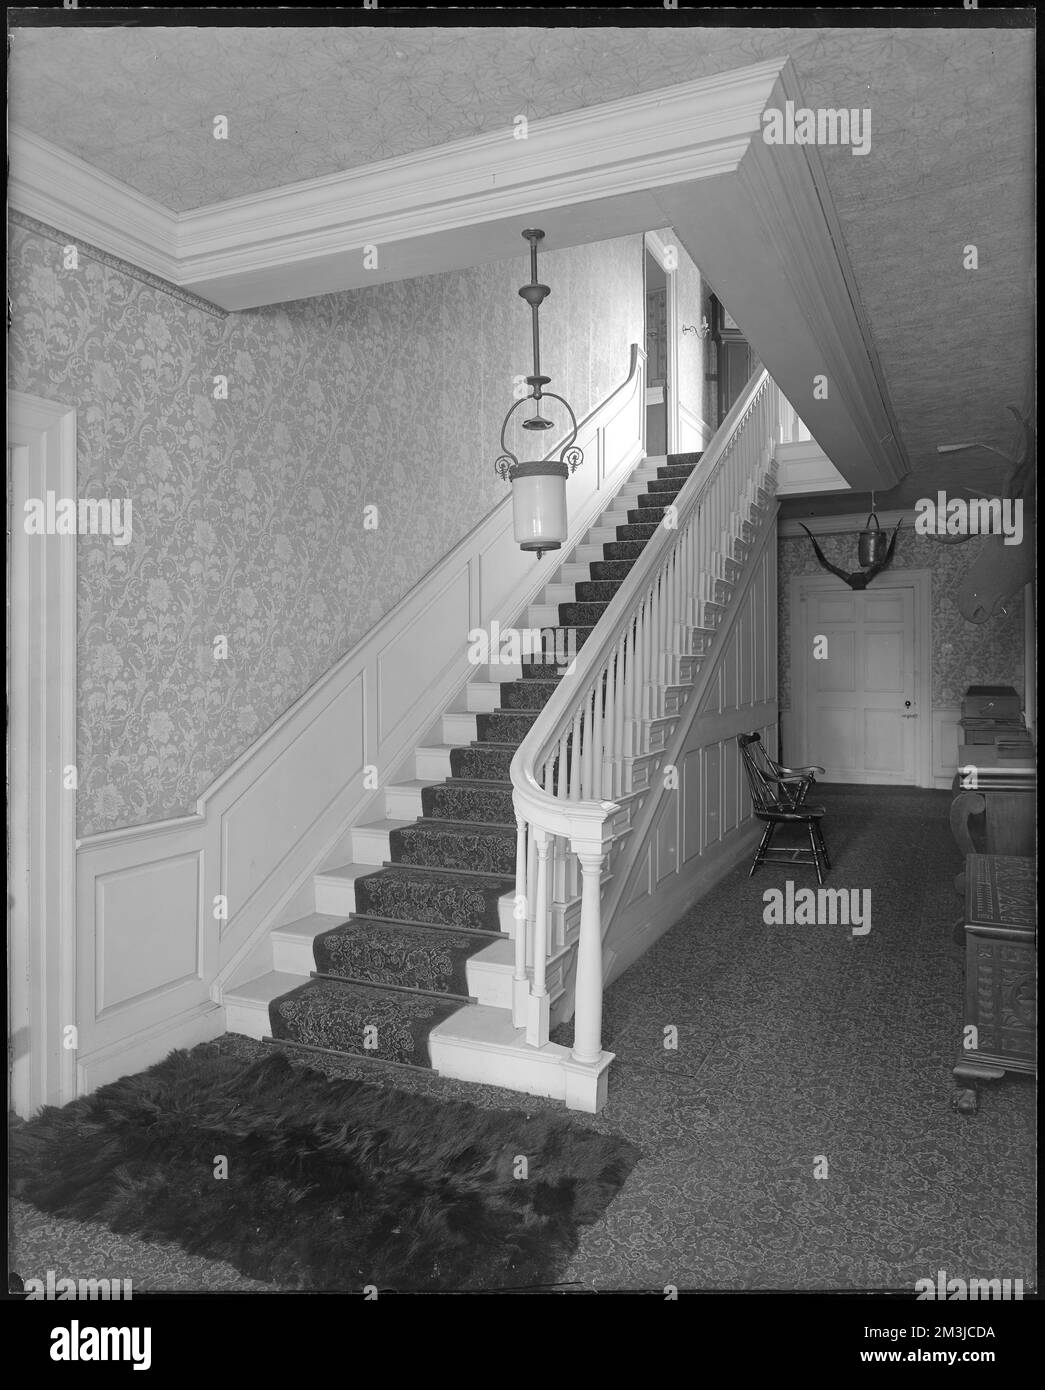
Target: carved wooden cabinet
<point>999,1032</point>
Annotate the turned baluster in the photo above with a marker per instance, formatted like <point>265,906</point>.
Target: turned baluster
<point>538,1014</point>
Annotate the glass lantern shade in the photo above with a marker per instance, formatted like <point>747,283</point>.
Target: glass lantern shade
<point>539,505</point>
<point>872,545</point>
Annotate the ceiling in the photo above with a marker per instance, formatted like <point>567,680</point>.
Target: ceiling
<point>951,159</point>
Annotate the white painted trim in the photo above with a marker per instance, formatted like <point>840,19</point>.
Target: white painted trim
<point>843,524</point>
<point>945,745</point>
<point>921,582</point>
<point>694,431</point>
<point>805,468</point>
<point>768,238</point>
<point>691,130</point>
<point>42,743</point>
<point>74,197</point>
<point>658,249</point>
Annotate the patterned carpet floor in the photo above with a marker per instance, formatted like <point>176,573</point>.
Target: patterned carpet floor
<point>800,1049</point>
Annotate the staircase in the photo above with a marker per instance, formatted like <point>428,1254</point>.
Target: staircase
<point>419,925</point>
<point>451,939</point>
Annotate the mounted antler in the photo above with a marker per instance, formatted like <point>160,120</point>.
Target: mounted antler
<point>1020,479</point>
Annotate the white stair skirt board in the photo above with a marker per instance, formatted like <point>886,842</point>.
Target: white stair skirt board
<point>479,1043</point>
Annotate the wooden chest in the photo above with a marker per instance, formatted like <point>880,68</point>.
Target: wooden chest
<point>999,1033</point>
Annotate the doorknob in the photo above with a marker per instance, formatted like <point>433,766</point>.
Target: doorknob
<point>907,705</point>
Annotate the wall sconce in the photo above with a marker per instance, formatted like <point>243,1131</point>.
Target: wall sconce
<point>704,331</point>
<point>539,486</point>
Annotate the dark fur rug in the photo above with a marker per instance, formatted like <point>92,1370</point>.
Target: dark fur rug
<point>331,1185</point>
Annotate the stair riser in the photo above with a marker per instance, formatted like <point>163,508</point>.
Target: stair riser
<point>527,694</point>
<point>426,846</point>
<point>442,904</point>
<point>486,764</point>
<point>468,803</point>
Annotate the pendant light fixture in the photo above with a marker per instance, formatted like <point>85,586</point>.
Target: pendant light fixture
<point>538,486</point>
<point>873,541</point>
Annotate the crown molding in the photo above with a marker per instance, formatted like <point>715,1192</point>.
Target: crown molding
<point>757,219</point>
<point>62,191</point>
<point>125,267</point>
<point>843,524</point>
<point>307,238</point>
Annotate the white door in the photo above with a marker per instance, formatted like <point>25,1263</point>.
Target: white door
<point>860,709</point>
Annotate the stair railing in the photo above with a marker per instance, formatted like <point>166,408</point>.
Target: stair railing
<point>571,771</point>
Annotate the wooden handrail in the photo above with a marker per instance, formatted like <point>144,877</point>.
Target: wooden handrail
<point>587,820</point>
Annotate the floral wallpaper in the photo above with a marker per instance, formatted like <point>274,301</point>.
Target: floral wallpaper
<point>963,653</point>
<point>248,512</point>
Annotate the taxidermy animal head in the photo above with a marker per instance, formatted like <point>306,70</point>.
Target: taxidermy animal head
<point>1000,570</point>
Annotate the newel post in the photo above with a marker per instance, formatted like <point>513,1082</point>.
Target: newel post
<point>586,1070</point>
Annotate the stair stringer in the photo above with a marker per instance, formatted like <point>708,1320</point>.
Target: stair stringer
<point>682,842</point>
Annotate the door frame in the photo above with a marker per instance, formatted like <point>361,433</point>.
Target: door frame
<point>658,249</point>
<point>920,581</point>
<point>41,656</point>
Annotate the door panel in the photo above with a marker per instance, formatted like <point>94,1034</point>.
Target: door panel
<point>860,709</point>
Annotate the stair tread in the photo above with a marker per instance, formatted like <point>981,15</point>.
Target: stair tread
<point>464,827</point>
<point>483,932</point>
<point>338,1014</point>
<point>390,823</point>
<point>483,783</point>
<point>346,873</point>
<point>475,877</point>
<point>264,988</point>
<point>310,926</point>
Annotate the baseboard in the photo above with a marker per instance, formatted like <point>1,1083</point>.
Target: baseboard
<point>141,1050</point>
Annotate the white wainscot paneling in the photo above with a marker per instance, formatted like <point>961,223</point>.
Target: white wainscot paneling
<point>434,637</point>
<point>691,842</point>
<point>946,738</point>
<point>147,932</point>
<point>328,756</point>
<point>668,838</point>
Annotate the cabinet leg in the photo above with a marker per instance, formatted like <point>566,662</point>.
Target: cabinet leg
<point>966,1101</point>
<point>968,1073</point>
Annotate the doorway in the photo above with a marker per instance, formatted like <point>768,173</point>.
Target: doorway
<point>41,671</point>
<point>656,288</point>
<point>860,678</point>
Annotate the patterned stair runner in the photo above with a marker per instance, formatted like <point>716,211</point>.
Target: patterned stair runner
<point>397,968</point>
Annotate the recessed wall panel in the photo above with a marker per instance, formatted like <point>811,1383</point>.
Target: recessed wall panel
<point>284,803</point>
<point>146,931</point>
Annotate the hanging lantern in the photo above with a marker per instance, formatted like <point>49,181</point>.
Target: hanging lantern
<point>538,486</point>
<point>873,541</point>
